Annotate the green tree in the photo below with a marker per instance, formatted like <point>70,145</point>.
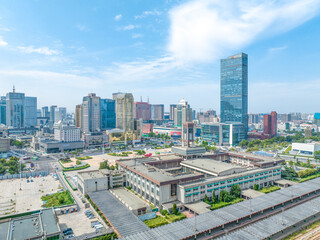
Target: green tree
<point>206,198</point>
<point>256,187</point>
<point>174,209</point>
<point>78,162</point>
<point>104,165</point>
<point>243,143</point>
<point>213,197</point>
<point>235,191</point>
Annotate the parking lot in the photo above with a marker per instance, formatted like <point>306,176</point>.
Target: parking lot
<point>13,200</point>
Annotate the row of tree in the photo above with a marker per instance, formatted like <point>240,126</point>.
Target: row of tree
<point>225,196</point>
<point>12,165</point>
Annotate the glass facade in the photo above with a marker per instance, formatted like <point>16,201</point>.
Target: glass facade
<point>223,134</point>
<point>3,110</point>
<point>234,90</point>
<point>108,114</point>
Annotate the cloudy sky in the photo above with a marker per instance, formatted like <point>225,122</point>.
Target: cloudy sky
<point>165,50</point>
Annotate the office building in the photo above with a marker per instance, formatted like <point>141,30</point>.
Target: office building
<point>21,111</point>
<point>30,108</point>
<point>60,114</point>
<point>4,145</point>
<point>208,116</point>
<point>270,124</point>
<point>108,114</point>
<point>91,113</point>
<point>124,111</point>
<point>305,148</point>
<point>45,112</point>
<point>182,113</point>
<point>253,118</point>
<point>142,110</point>
<point>78,115</point>
<point>157,112</point>
<point>172,107</point>
<point>223,134</point>
<point>52,115</point>
<point>64,132</point>
<point>3,110</point>
<point>234,90</point>
<point>187,135</point>
<point>15,109</point>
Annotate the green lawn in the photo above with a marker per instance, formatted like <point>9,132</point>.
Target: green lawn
<point>269,189</point>
<point>156,222</point>
<point>173,218</point>
<point>57,199</point>
<point>224,204</point>
<point>84,158</point>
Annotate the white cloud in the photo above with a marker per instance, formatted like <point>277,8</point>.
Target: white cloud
<point>204,30</point>
<point>137,35</point>
<point>4,29</point>
<point>118,17</point>
<point>130,27</point>
<point>82,28</point>
<point>2,42</point>
<point>148,13</point>
<point>277,49</point>
<point>42,50</point>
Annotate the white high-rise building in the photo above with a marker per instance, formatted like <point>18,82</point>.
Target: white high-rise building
<point>91,113</point>
<point>66,133</point>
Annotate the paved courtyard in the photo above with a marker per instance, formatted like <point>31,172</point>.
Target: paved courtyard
<point>13,200</point>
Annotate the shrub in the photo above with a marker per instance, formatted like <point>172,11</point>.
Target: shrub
<point>164,212</point>
<point>78,162</point>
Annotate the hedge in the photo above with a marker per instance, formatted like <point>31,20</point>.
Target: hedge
<point>76,168</point>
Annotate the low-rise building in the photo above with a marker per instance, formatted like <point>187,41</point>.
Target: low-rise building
<point>305,148</point>
<point>92,181</point>
<point>41,225</point>
<point>4,145</point>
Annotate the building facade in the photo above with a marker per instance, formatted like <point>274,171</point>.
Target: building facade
<point>15,109</point>
<point>124,111</point>
<point>30,108</point>
<point>157,112</point>
<point>208,116</point>
<point>66,133</point>
<point>182,113</point>
<point>78,115</point>
<point>142,110</point>
<point>108,114</point>
<point>3,110</point>
<point>223,134</point>
<point>234,90</point>
<point>171,114</point>
<point>91,113</point>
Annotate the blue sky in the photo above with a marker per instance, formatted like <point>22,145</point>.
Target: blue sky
<point>165,50</point>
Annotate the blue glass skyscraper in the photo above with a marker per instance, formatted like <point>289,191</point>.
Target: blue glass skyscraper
<point>108,114</point>
<point>234,90</point>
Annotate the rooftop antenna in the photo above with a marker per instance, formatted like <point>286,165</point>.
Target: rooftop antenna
<point>140,98</point>
<point>14,89</point>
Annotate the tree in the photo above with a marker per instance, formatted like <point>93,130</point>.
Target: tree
<point>206,198</point>
<point>235,191</point>
<point>243,143</point>
<point>104,165</point>
<point>256,187</point>
<point>78,162</point>
<point>213,197</point>
<point>174,209</point>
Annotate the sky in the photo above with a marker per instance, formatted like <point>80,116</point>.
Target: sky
<point>164,50</point>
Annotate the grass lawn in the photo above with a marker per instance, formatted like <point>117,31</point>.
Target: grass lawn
<point>156,222</point>
<point>57,199</point>
<point>173,218</point>
<point>84,158</point>
<point>269,189</point>
<point>224,204</point>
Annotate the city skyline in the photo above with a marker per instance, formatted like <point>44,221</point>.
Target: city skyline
<point>62,58</point>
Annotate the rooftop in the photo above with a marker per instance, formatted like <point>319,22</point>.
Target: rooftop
<point>250,193</point>
<point>132,201</point>
<point>87,175</point>
<point>155,175</point>
<point>213,167</point>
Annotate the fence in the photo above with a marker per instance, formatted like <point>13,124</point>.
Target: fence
<point>24,175</point>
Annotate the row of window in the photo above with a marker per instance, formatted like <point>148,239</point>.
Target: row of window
<point>188,191</point>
